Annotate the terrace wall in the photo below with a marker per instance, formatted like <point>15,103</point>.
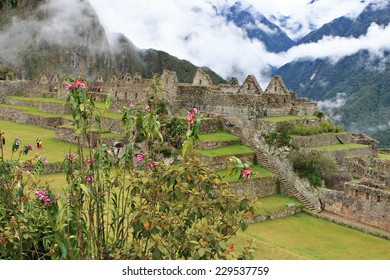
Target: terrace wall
<point>359,202</point>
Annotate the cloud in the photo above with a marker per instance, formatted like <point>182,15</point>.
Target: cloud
<point>62,23</point>
<point>335,48</point>
<point>193,30</point>
<point>331,106</point>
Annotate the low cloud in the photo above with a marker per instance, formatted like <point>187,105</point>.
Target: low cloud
<point>331,106</point>
<point>57,22</point>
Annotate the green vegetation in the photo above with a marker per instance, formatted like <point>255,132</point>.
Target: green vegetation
<point>312,166</point>
<point>225,151</point>
<point>323,127</point>
<point>285,118</point>
<point>258,172</point>
<point>113,207</point>
<point>305,237</point>
<point>273,203</point>
<point>382,155</point>
<point>218,136</point>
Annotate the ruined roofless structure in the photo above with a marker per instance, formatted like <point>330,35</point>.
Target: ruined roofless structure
<point>247,101</point>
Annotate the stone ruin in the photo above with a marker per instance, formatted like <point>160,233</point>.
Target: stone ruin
<point>363,200</point>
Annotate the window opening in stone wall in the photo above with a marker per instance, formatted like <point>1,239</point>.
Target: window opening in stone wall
<point>356,192</point>
<point>378,198</point>
<point>367,195</point>
<point>136,95</point>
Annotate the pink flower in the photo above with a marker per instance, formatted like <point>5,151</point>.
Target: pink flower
<point>191,115</point>
<point>71,157</point>
<point>29,147</point>
<point>79,83</point>
<point>246,172</point>
<point>89,179</point>
<point>43,159</point>
<point>140,158</point>
<point>68,87</point>
<point>43,196</point>
<point>194,111</point>
<point>147,108</point>
<point>152,164</point>
<point>89,161</point>
<point>131,105</point>
<point>191,118</point>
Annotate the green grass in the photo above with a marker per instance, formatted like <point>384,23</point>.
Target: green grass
<point>225,151</point>
<point>56,181</point>
<point>259,172</point>
<point>273,203</point>
<point>53,149</point>
<point>305,237</point>
<point>39,99</point>
<point>218,136</point>
<point>112,135</point>
<point>286,118</point>
<point>338,147</point>
<point>386,156</point>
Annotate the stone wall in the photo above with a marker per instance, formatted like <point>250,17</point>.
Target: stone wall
<point>55,108</point>
<point>67,134</point>
<point>359,202</point>
<point>255,187</point>
<point>322,139</point>
<point>13,88</point>
<point>342,156</point>
<point>222,162</point>
<point>19,116</point>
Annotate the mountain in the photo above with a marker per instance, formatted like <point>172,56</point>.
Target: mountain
<point>355,91</point>
<point>66,37</point>
<point>347,27</point>
<point>257,26</point>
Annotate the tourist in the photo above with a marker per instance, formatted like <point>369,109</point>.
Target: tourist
<point>2,138</point>
<point>16,144</point>
<point>37,141</point>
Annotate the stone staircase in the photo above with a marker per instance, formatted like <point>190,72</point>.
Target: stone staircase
<point>261,157</point>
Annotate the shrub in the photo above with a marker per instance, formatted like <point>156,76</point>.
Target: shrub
<point>312,166</point>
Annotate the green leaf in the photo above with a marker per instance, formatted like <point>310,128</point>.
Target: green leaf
<point>85,190</point>
<point>222,244</point>
<point>201,252</point>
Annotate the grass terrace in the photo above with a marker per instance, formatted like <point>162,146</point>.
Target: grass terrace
<point>304,237</point>
<point>218,136</point>
<point>273,203</point>
<point>258,172</point>
<point>385,156</point>
<point>225,151</point>
<point>54,149</point>
<point>286,118</point>
<point>338,147</point>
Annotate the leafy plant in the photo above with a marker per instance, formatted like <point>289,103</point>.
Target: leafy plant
<point>312,166</point>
